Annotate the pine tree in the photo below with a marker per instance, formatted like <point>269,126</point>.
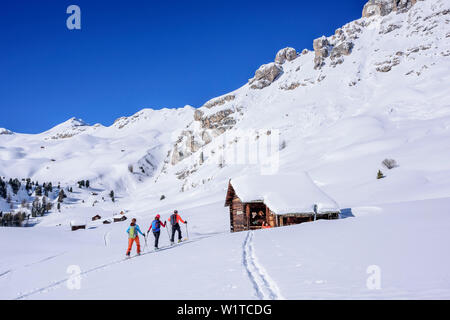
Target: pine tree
<point>15,185</point>
<point>3,190</point>
<point>44,202</point>
<point>111,194</point>
<point>61,195</point>
<point>87,183</point>
<point>35,208</point>
<point>38,191</point>
<point>28,185</point>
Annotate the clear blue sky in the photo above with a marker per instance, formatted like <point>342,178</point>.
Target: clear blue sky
<point>138,54</point>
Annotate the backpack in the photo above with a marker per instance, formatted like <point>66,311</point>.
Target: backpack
<point>173,219</point>
<point>156,225</point>
<point>132,232</point>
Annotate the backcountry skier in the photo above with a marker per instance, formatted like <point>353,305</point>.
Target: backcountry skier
<point>133,235</point>
<point>156,228</point>
<point>174,221</point>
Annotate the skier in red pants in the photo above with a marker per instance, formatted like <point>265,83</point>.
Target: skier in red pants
<point>133,235</point>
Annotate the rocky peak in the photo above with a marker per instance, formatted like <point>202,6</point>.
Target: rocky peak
<point>67,129</point>
<point>384,7</point>
<point>4,131</point>
<point>265,75</point>
<point>286,54</point>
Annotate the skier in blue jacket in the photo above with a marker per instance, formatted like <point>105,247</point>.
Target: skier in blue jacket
<point>156,228</point>
<point>133,235</point>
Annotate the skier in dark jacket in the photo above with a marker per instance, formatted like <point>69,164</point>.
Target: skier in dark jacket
<point>156,228</point>
<point>175,219</point>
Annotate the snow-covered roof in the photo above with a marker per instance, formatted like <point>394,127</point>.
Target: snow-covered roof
<point>284,194</point>
<point>78,222</point>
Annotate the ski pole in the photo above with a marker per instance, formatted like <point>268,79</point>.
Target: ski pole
<point>167,228</point>
<point>187,232</point>
<point>145,238</point>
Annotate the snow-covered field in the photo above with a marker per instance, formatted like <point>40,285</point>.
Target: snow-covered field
<point>337,123</point>
<point>406,242</point>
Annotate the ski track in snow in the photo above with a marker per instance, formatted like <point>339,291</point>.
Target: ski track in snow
<point>5,273</point>
<point>55,284</point>
<point>265,286</point>
<point>43,260</point>
<point>106,238</point>
<point>32,264</point>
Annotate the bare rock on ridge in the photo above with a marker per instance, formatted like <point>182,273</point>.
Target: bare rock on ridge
<point>265,75</point>
<point>384,7</point>
<point>286,54</point>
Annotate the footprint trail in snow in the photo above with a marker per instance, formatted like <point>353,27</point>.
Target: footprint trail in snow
<point>265,287</point>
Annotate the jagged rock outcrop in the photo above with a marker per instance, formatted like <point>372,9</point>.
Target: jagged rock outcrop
<point>219,101</point>
<point>335,47</point>
<point>265,75</point>
<point>343,49</point>
<point>184,147</point>
<point>286,54</point>
<point>211,126</point>
<point>384,7</point>
<point>218,119</point>
<point>321,51</point>
<point>198,114</point>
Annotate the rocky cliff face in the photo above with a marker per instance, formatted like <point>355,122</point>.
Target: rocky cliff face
<point>290,71</point>
<point>265,75</point>
<point>210,121</point>
<point>384,7</point>
<point>286,54</point>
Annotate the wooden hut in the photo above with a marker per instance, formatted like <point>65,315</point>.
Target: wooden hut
<point>96,217</point>
<point>119,218</point>
<point>278,200</point>
<point>77,225</point>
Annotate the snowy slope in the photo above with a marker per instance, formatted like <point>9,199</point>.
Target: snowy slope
<point>336,116</point>
<point>99,153</point>
<point>317,260</point>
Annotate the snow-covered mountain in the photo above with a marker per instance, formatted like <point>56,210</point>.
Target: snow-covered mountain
<point>388,67</point>
<point>376,89</point>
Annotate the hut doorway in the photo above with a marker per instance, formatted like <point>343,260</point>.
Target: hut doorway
<point>257,214</point>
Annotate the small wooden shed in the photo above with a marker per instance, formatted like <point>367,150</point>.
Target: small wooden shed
<point>77,225</point>
<point>278,200</point>
<point>96,217</point>
<point>119,218</point>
